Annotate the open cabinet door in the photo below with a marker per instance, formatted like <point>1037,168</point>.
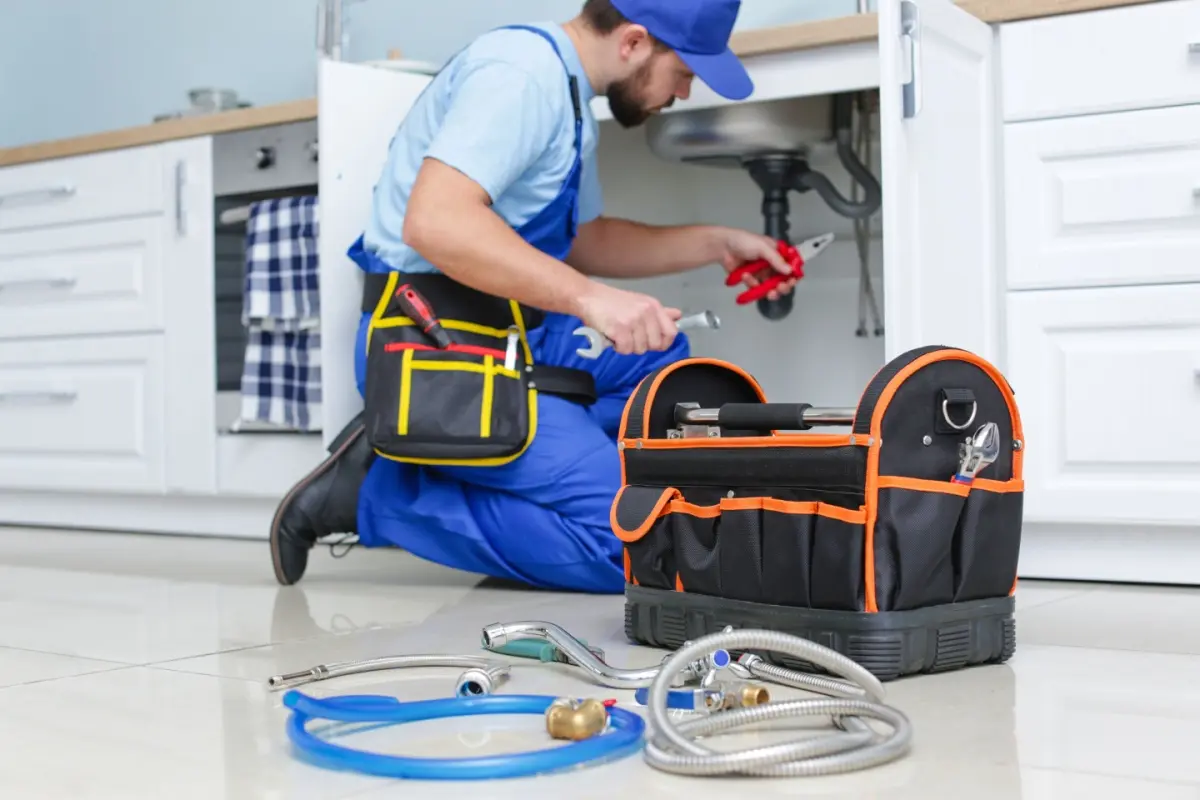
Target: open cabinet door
<point>938,138</point>
<point>359,109</point>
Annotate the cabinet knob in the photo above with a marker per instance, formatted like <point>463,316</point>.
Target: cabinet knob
<point>314,149</point>
<point>264,157</point>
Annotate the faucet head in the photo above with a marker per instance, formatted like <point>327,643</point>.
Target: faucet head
<point>495,635</point>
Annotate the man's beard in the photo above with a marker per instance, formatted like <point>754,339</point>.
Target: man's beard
<point>625,99</point>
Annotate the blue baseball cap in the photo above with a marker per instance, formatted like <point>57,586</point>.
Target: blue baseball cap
<point>698,31</point>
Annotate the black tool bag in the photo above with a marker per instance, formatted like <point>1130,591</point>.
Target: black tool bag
<point>731,513</point>
<point>462,405</point>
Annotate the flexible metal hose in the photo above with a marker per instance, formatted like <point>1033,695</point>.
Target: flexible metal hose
<point>757,667</point>
<point>670,746</point>
<point>482,675</point>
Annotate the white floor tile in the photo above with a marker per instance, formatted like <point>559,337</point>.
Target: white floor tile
<point>1140,618</point>
<point>146,733</point>
<point>1100,700</point>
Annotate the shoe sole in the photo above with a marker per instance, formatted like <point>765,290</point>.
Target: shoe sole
<point>321,469</point>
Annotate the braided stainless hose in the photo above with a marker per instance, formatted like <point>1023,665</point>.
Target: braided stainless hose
<point>670,745</point>
<point>757,667</point>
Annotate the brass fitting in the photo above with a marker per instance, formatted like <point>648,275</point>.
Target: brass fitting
<point>576,721</point>
<point>743,695</point>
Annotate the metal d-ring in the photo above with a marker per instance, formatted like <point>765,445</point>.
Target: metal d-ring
<point>965,425</point>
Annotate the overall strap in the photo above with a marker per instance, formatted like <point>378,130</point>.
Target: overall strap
<point>576,103</point>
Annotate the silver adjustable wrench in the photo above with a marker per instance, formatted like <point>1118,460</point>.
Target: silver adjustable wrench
<point>598,342</point>
<point>977,452</point>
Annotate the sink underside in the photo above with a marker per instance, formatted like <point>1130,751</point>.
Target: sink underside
<point>727,135</point>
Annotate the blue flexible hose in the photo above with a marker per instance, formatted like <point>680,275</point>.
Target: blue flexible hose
<point>624,739</point>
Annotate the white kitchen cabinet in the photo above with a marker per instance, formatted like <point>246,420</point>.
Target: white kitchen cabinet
<point>111,185</point>
<point>95,277</point>
<point>1108,381</point>
<point>1104,200</point>
<point>1102,267</point>
<point>83,414</point>
<point>1118,59</point>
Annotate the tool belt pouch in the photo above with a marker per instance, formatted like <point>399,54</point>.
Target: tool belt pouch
<point>859,539</point>
<point>460,405</point>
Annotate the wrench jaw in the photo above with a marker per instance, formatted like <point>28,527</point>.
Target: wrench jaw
<point>596,343</point>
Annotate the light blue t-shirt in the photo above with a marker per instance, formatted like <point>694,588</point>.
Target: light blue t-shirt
<point>500,112</point>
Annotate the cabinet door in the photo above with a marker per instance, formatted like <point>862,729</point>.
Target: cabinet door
<point>189,310</point>
<point>1104,199</point>
<point>359,110</point>
<point>938,133</point>
<point>1108,386</point>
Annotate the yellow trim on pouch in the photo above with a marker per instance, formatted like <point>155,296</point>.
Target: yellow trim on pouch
<point>489,390</point>
<point>405,392</point>
<point>489,369</point>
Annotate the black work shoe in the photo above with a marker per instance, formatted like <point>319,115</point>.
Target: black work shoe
<point>323,503</point>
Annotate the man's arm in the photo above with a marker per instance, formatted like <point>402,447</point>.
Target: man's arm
<point>608,247</point>
<point>450,222</point>
<point>617,248</point>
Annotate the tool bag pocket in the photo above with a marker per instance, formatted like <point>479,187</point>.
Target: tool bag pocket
<point>987,541</point>
<point>456,406</point>
<point>943,542</point>
<point>757,549</point>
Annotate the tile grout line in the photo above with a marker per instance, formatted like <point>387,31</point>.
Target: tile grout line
<point>68,655</point>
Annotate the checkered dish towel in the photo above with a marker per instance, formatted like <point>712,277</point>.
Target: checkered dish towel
<point>281,379</point>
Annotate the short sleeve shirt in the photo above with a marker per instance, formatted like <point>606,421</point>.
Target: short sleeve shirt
<point>500,112</point>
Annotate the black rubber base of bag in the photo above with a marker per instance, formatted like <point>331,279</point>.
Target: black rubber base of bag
<point>888,644</point>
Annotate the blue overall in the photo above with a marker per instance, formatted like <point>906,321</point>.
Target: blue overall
<point>542,519</point>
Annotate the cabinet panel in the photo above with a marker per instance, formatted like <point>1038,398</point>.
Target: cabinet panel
<point>361,108</point>
<point>1116,59</point>
<point>1108,384</point>
<point>93,278</point>
<point>1109,199</point>
<point>83,188</point>
<point>938,138</point>
<point>83,413</point>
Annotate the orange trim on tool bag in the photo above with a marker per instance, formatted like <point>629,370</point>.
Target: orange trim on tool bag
<point>670,502</point>
<point>624,423</point>
<point>628,567</point>
<point>777,440</point>
<point>692,510</point>
<point>873,479</point>
<point>678,583</point>
<point>1001,487</point>
<point>642,529</point>
<point>684,363</point>
<point>921,485</point>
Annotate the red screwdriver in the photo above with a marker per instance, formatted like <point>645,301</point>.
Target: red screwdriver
<point>417,308</point>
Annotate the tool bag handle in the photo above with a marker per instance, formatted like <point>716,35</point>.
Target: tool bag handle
<point>765,416</point>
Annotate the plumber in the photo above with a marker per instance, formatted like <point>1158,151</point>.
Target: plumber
<point>491,446</point>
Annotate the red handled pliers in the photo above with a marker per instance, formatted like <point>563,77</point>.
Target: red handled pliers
<point>797,256</point>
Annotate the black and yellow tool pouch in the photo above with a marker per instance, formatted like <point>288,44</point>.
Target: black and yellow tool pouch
<point>471,404</point>
<point>732,513</point>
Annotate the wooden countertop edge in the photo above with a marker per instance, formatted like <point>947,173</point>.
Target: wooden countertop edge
<point>170,130</point>
<point>764,41</point>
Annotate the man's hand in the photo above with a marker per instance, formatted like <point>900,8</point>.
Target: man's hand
<point>634,323</point>
<point>741,247</point>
